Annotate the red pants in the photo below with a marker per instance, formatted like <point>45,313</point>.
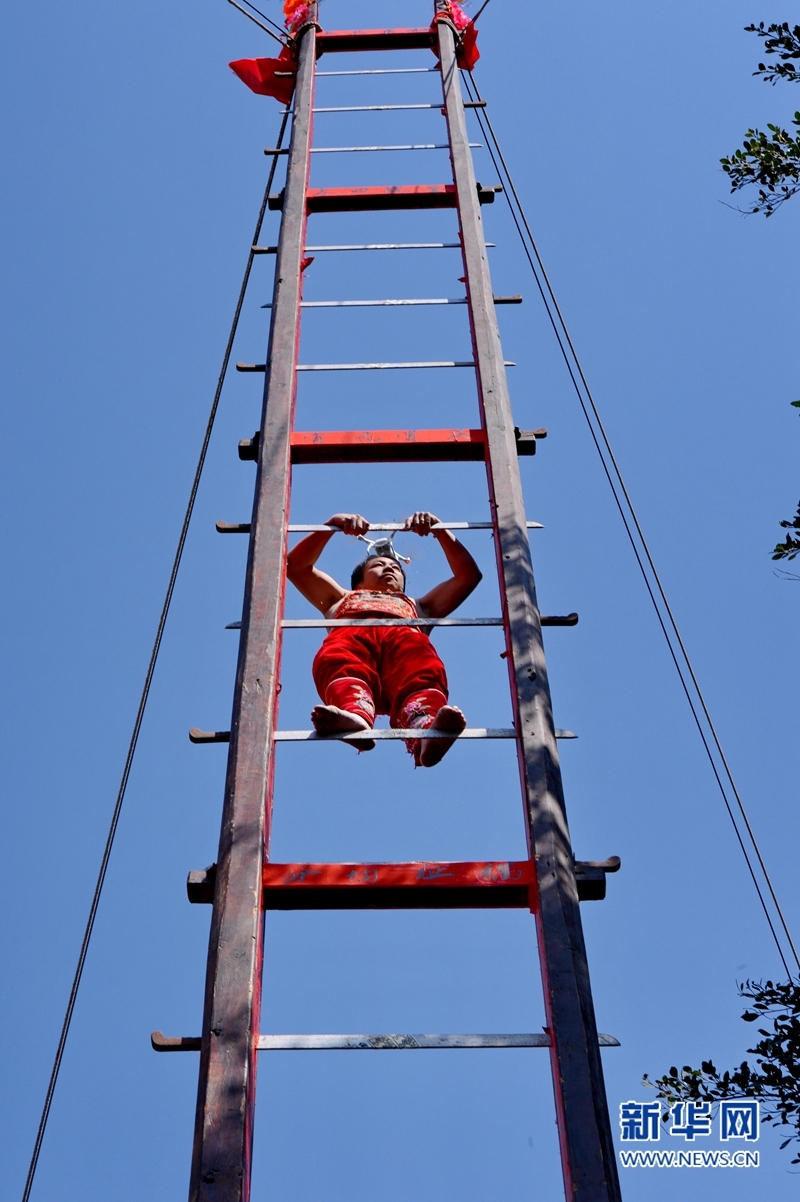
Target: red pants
<point>394,662</point>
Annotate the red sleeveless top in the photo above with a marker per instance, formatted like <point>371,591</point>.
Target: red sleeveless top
<point>362,603</point>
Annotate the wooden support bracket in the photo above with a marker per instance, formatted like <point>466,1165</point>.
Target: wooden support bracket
<point>590,876</point>
<point>233,527</point>
<point>209,736</point>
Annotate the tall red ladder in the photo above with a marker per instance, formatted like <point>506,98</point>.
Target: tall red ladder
<point>244,884</point>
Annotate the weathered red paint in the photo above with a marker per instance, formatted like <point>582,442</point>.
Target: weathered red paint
<point>484,884</point>
<point>418,873</point>
<point>387,446</point>
<point>399,196</point>
<point>374,39</point>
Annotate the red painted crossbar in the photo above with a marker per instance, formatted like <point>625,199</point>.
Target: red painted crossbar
<point>417,886</point>
<point>401,196</point>
<point>374,39</point>
<point>387,446</point>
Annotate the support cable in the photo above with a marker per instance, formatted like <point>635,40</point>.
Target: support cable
<point>269,20</point>
<point>666,619</point>
<point>148,680</point>
<point>256,21</point>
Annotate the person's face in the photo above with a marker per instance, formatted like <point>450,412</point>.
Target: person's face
<point>382,575</point>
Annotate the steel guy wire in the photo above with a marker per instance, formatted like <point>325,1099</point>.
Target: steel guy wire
<point>576,374</point>
<point>256,21</point>
<point>269,20</point>
<point>148,680</point>
<point>559,329</point>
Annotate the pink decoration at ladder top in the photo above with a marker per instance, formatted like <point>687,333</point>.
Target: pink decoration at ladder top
<point>296,13</point>
<point>467,52</point>
<point>458,16</point>
<point>276,76</point>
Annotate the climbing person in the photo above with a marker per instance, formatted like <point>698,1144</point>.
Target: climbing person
<point>361,671</point>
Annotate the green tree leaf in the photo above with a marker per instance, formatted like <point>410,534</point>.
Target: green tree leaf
<point>774,1078</point>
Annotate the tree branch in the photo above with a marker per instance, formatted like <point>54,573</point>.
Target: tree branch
<point>783,41</point>
<point>771,160</point>
<point>775,1078</point>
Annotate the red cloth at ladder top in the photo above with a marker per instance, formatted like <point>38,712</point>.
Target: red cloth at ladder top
<point>467,52</point>
<point>267,76</point>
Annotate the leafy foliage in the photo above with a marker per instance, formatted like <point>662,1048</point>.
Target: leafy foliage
<point>775,1077</point>
<point>791,545</point>
<point>783,41</point>
<point>772,159</point>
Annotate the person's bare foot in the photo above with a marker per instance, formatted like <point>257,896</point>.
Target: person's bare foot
<point>449,718</point>
<point>328,719</point>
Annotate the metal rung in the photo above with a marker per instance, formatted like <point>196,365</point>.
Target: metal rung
<point>359,40</point>
<point>395,302</point>
<point>273,250</point>
<point>375,1043</point>
<point>374,366</point>
<point>325,623</point>
<point>377,108</point>
<point>313,736</point>
<point>419,885</point>
<point>355,149</point>
<point>475,732</point>
<point>386,1043</point>
<point>371,304</point>
<point>382,198</point>
<point>244,527</point>
<point>400,526</point>
<point>383,71</point>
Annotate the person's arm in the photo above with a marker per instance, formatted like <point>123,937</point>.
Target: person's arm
<point>318,587</point>
<point>447,596</point>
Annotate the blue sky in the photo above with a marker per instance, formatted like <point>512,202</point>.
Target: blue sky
<point>134,174</point>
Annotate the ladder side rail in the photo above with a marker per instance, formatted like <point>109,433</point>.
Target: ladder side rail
<point>587,1152</point>
<point>221,1160</point>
